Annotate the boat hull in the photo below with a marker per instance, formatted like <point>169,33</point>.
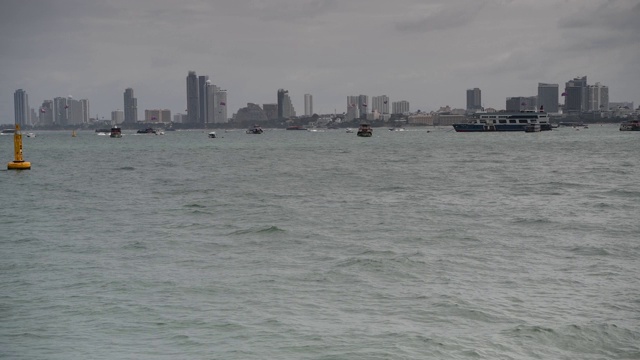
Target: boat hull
<point>496,128</point>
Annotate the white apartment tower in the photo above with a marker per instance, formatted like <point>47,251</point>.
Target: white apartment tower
<point>400,107</point>
<point>597,97</point>
<point>21,108</point>
<point>220,106</point>
<point>380,103</point>
<point>308,105</point>
<point>352,108</point>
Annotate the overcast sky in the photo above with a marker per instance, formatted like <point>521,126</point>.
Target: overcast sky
<point>426,52</point>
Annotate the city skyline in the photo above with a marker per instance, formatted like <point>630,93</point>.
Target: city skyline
<point>428,54</point>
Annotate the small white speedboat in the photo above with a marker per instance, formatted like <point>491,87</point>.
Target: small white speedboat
<point>212,134</point>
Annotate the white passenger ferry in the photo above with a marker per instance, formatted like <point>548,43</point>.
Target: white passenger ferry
<point>503,121</point>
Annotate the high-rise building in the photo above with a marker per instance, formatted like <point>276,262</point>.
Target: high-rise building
<point>400,107</point>
<point>270,110</point>
<point>548,97</point>
<point>220,106</point>
<point>117,117</point>
<point>285,107</point>
<point>179,118</point>
<point>21,108</point>
<point>597,97</point>
<point>75,111</point>
<point>575,95</point>
<point>308,105</point>
<point>380,104</point>
<point>521,103</point>
<point>352,108</point>
<point>474,99</point>
<point>45,114</point>
<point>130,107</point>
<point>205,115</point>
<point>363,106</point>
<point>60,111</point>
<point>85,110</point>
<point>157,116</point>
<point>207,98</point>
<point>193,98</point>
<point>281,96</point>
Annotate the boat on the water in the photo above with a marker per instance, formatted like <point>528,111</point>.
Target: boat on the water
<point>115,132</point>
<point>513,121</point>
<point>296,127</point>
<point>349,131</point>
<point>256,129</point>
<point>365,130</point>
<point>146,131</point>
<point>212,135</point>
<point>7,132</point>
<point>632,125</point>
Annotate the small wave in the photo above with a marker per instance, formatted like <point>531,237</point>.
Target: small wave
<point>126,168</point>
<point>267,230</point>
<point>532,329</point>
<point>197,206</point>
<point>624,192</point>
<point>26,335</point>
<point>607,340</point>
<point>271,229</point>
<point>532,221</point>
<point>589,251</point>
<point>136,245</point>
<point>199,212</point>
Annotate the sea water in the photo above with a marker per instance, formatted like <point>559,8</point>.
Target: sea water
<point>417,244</point>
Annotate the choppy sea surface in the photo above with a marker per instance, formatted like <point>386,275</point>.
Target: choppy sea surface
<point>420,244</point>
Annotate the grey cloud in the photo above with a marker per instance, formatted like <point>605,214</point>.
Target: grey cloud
<point>615,16</point>
<point>443,17</point>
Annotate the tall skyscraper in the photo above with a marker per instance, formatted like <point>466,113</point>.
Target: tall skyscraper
<point>45,113</point>
<point>207,98</point>
<point>575,95</point>
<point>130,107</point>
<point>203,82</point>
<point>77,111</point>
<point>60,111</point>
<point>21,108</point>
<point>193,98</point>
<point>220,106</point>
<point>285,107</point>
<point>308,105</point>
<point>474,99</point>
<point>352,108</point>
<point>363,105</point>
<point>597,97</point>
<point>380,103</point>
<point>281,103</point>
<point>548,97</point>
<point>85,110</point>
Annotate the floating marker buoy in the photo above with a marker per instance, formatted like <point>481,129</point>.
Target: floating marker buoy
<point>18,163</point>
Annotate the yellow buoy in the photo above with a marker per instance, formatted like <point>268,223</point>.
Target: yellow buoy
<point>18,163</point>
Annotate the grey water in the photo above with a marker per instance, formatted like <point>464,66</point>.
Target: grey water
<point>420,244</point>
